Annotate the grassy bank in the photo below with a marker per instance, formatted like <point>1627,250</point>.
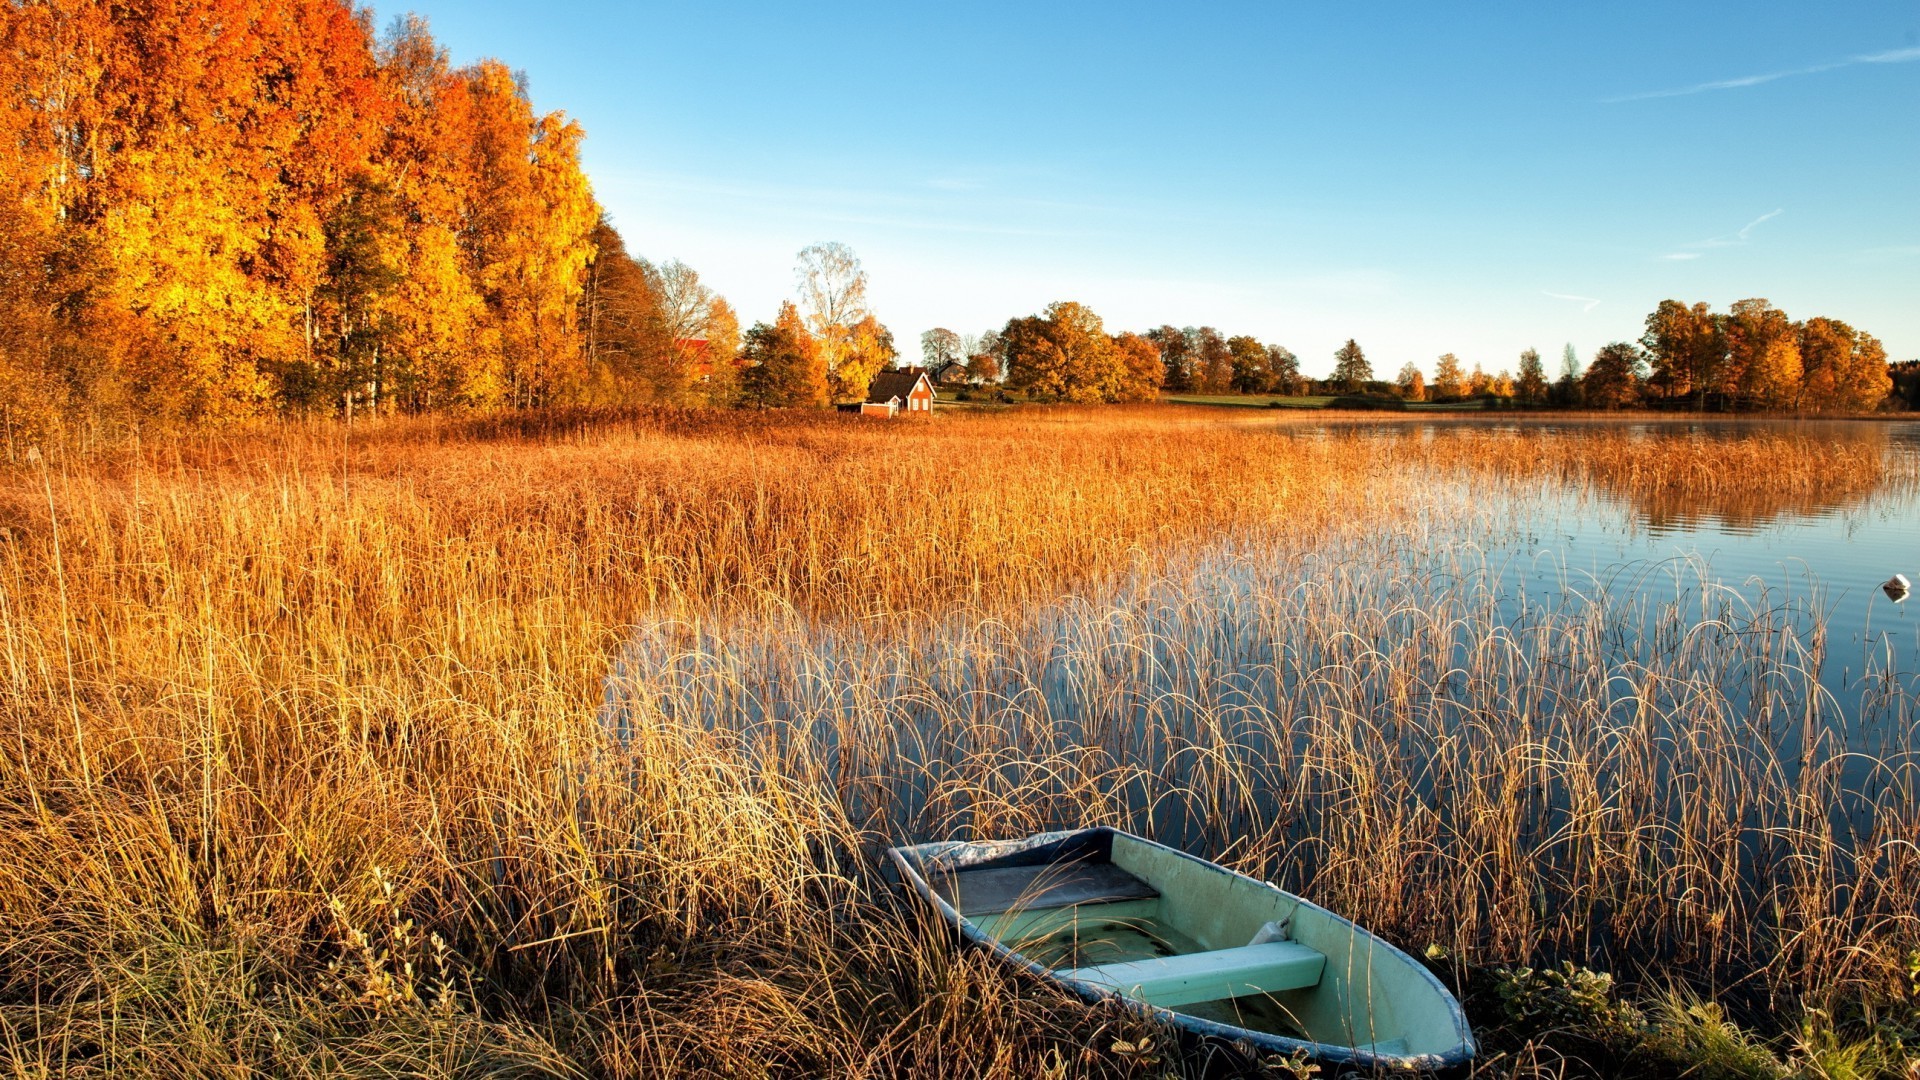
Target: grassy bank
<point>309,770</point>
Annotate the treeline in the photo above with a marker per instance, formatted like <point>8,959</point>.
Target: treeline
<point>212,211</point>
<point>1066,354</point>
<point>1751,357</point>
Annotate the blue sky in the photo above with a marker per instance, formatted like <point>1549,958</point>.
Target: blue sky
<point>1474,180</point>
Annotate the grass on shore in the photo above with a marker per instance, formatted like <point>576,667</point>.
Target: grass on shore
<point>308,771</point>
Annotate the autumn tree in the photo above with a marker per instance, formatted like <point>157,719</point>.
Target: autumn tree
<point>1843,368</point>
<point>783,364</point>
<point>1064,354</point>
<point>1175,355</point>
<point>1250,372</point>
<point>1612,381</point>
<point>1479,383</point>
<point>983,360</point>
<point>628,345</point>
<point>1413,385</point>
<point>716,380</point>
<point>1212,360</point>
<point>1141,368</point>
<point>1350,368</point>
<point>1763,356</point>
<point>833,292</point>
<point>1687,350</point>
<point>869,351</point>
<point>1531,386</point>
<point>1284,370</point>
<point>1449,378</point>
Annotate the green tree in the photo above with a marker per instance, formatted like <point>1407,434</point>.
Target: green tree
<point>784,365</point>
<point>1350,368</point>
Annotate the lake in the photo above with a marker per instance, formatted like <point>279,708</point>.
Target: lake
<point>1607,709</point>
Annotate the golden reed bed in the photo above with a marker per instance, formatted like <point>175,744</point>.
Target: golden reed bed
<point>307,770</point>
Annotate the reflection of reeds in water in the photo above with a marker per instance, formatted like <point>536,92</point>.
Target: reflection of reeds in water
<point>1739,475</point>
<point>284,711</point>
<point>1408,743</point>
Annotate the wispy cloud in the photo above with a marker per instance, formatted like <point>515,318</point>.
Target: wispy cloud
<point>1738,239</point>
<point>1748,228</point>
<point>1589,301</point>
<point>1891,56</point>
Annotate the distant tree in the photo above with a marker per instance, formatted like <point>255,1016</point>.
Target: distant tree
<point>784,367</point>
<point>1502,384</point>
<point>1250,372</point>
<point>1686,347</point>
<point>717,381</point>
<point>1141,368</point>
<point>1532,385</point>
<point>983,361</point>
<point>1063,355</point>
<point>1350,368</point>
<point>624,338</point>
<point>1413,385</point>
<point>1213,361</point>
<point>1175,356</point>
<point>1843,368</point>
<point>1567,389</point>
<point>685,304</point>
<point>869,351</point>
<point>1449,379</point>
<point>1283,370</point>
<point>1479,383</point>
<point>940,347</point>
<point>1763,356</point>
<point>833,288</point>
<point>1613,381</point>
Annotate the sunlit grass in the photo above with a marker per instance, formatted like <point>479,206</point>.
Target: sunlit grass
<point>309,770</point>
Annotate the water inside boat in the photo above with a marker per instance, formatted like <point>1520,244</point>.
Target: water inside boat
<point>1188,936</point>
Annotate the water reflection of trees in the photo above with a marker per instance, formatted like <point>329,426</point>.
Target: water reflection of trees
<point>1676,475</point>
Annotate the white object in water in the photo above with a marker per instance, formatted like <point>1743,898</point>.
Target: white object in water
<point>1897,587</point>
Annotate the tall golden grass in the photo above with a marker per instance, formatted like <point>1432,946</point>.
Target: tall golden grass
<point>314,765</point>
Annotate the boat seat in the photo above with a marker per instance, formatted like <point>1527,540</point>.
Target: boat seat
<point>1034,888</point>
<point>1209,976</point>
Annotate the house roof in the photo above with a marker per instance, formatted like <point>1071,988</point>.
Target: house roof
<point>893,384</point>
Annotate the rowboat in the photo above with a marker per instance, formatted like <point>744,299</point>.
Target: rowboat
<point>1228,959</point>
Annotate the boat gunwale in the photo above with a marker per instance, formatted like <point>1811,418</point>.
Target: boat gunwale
<point>914,860</point>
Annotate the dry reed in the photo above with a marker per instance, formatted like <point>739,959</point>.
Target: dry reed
<point>314,766</point>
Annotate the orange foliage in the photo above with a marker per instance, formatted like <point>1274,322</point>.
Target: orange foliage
<point>242,206</point>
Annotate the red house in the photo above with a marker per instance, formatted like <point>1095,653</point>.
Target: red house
<point>894,392</point>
